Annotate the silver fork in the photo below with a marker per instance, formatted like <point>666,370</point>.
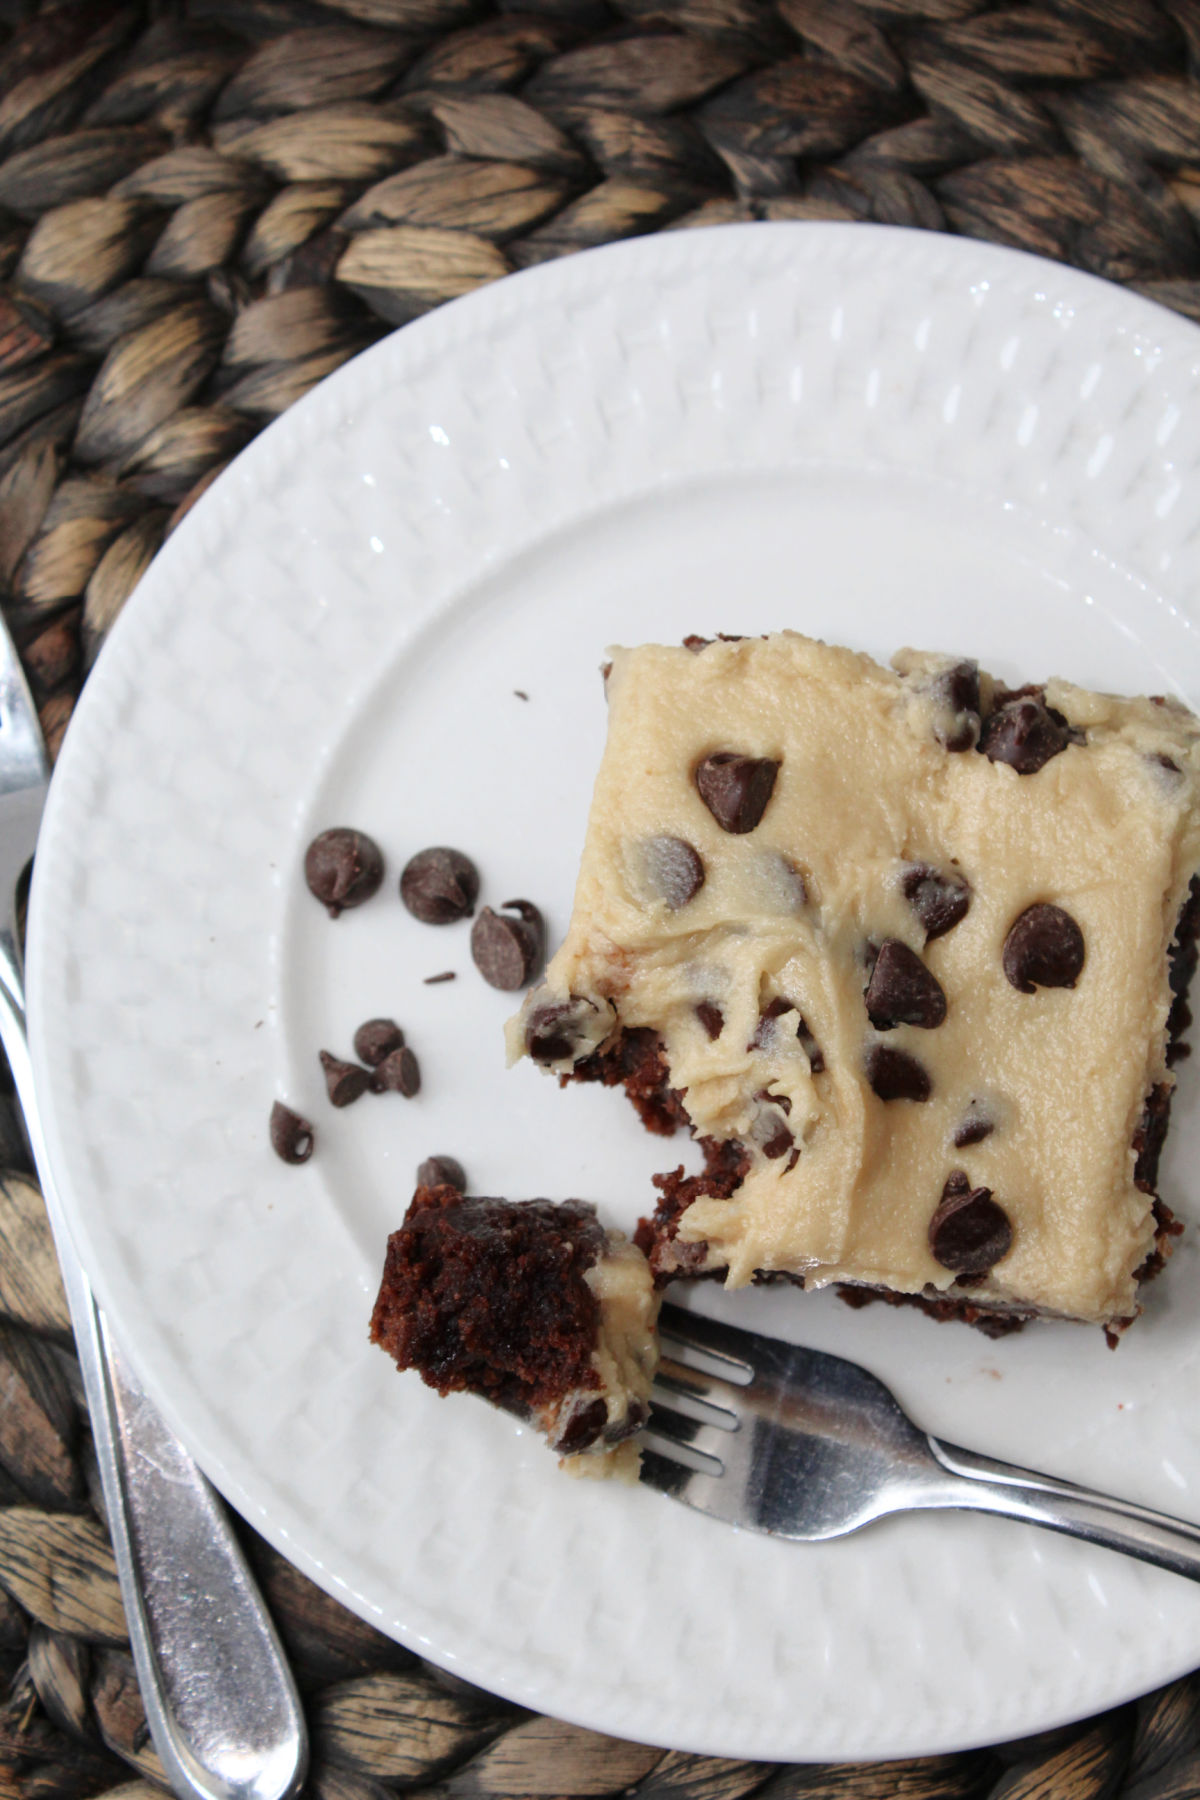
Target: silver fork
<point>805,1445</point>
<point>220,1700</point>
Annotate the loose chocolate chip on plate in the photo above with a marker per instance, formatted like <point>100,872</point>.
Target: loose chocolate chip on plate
<point>672,870</point>
<point>895,1075</point>
<point>711,1017</point>
<point>343,868</point>
<point>508,952</point>
<point>902,991</point>
<point>1025,733</point>
<point>292,1138</point>
<point>375,1039</point>
<point>442,1171</point>
<point>736,788</point>
<point>969,1232</point>
<point>1044,948</point>
<point>939,897</point>
<point>344,1081</point>
<point>398,1073</point>
<point>439,885</point>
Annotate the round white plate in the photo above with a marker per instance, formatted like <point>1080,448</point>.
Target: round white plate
<point>877,437</point>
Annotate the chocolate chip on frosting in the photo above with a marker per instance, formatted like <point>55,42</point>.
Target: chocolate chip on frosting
<point>939,897</point>
<point>292,1138</point>
<point>507,952</point>
<point>895,1075</point>
<point>1025,733</point>
<point>1044,948</point>
<point>439,885</point>
<point>671,870</point>
<point>736,788</point>
<point>556,1029</point>
<point>969,1232</point>
<point>902,991</point>
<point>711,1017</point>
<point>955,694</point>
<point>343,868</point>
<point>974,1127</point>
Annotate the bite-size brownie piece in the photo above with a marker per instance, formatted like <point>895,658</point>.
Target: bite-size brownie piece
<point>905,949</point>
<point>531,1305</point>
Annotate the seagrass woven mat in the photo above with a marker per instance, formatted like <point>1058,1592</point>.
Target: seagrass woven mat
<point>204,209</point>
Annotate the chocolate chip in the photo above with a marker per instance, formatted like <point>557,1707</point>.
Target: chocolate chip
<point>439,885</point>
<point>398,1073</point>
<point>955,692</point>
<point>672,870</point>
<point>895,1075</point>
<point>811,1048</point>
<point>736,788</point>
<point>508,952</point>
<point>344,1081</point>
<point>974,1128</point>
<point>939,897</point>
<point>582,1425</point>
<point>902,991</point>
<point>764,1032</point>
<point>711,1017</point>
<point>695,643</point>
<point>1044,948</point>
<point>557,1029</point>
<point>969,1232</point>
<point>442,1171</point>
<point>343,868</point>
<point>1025,733</point>
<point>292,1138</point>
<point>373,1041</point>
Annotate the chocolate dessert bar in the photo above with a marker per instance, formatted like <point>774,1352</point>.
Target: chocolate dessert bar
<point>904,949</point>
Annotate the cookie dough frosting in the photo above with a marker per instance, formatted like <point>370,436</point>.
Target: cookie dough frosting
<point>903,937</point>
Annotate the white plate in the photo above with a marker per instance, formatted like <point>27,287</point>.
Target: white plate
<point>874,436</point>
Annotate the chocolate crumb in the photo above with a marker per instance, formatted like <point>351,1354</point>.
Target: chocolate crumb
<point>446,975</point>
<point>969,1232</point>
<point>1044,948</point>
<point>292,1138</point>
<point>345,1082</point>
<point>439,886</point>
<point>520,693</point>
<point>374,1040</point>
<point>508,952</point>
<point>342,869</point>
<point>442,1171</point>
<point>398,1073</point>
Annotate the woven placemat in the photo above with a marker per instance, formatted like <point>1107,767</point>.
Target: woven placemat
<point>206,208</point>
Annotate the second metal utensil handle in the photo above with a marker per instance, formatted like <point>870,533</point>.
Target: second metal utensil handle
<point>220,1701</point>
<point>986,1485</point>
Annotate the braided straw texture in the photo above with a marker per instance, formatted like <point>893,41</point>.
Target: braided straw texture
<point>204,209</point>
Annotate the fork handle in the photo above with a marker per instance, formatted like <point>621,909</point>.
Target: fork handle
<point>985,1485</point>
<point>222,1708</point>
